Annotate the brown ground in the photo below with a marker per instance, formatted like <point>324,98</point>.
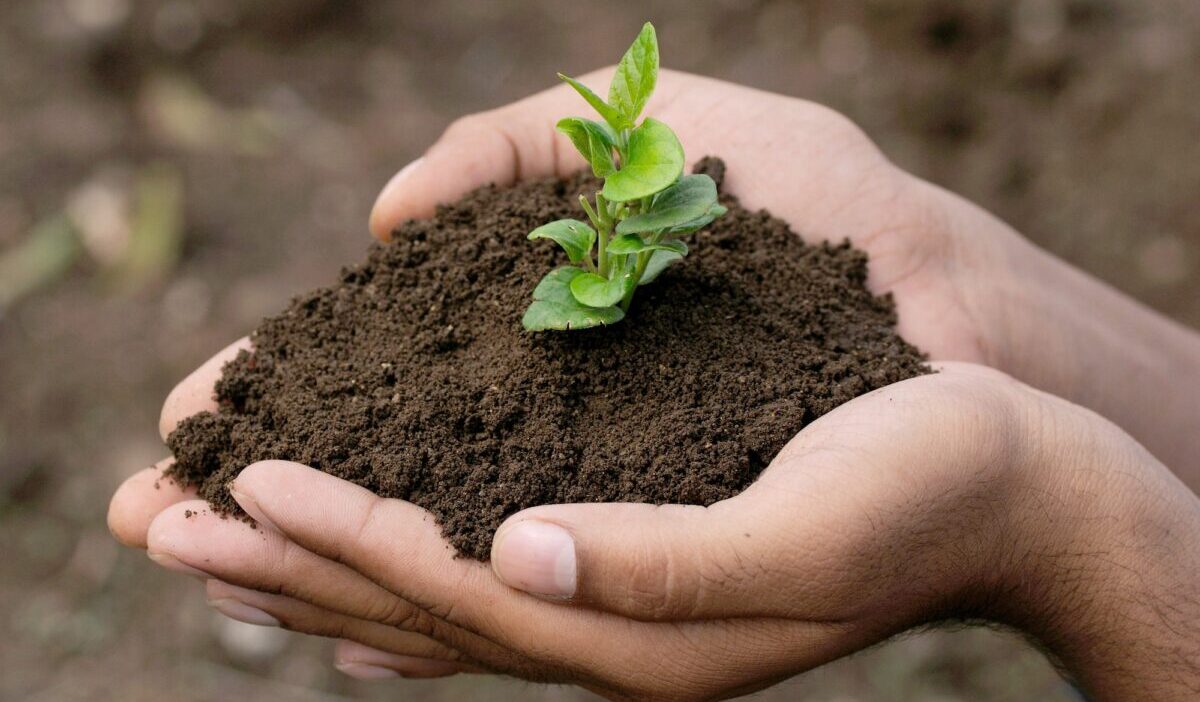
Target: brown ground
<point>1075,120</point>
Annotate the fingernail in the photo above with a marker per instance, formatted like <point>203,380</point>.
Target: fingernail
<point>389,191</point>
<point>243,612</point>
<point>251,507</point>
<point>170,562</point>
<point>537,557</point>
<point>363,671</point>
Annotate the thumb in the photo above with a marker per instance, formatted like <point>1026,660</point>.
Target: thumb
<point>474,151</point>
<point>647,562</point>
<point>500,146</point>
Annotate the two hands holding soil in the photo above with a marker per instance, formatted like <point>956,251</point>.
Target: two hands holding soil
<point>962,494</point>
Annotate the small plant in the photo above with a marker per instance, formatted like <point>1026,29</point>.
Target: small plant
<point>637,218</point>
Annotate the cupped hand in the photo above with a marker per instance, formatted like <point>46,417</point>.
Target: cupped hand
<point>720,627</point>
<point>804,162</point>
<point>962,494</point>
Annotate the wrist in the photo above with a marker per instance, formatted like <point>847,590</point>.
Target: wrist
<point>1106,576</point>
<point>1059,329</point>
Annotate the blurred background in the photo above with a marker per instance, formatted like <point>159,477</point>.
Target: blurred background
<point>171,171</point>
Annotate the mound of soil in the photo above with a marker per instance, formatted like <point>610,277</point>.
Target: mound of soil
<point>413,377</point>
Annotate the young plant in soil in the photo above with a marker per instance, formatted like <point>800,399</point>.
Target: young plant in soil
<point>636,220</point>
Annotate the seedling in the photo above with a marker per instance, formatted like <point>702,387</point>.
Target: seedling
<point>636,220</point>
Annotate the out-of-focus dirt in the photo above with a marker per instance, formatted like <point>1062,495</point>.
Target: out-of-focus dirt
<point>1075,120</point>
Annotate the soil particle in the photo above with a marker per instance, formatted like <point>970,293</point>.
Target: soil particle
<point>413,377</point>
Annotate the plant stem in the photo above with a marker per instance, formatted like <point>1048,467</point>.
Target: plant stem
<point>642,259</point>
<point>599,222</point>
<point>587,207</point>
<point>602,253</point>
<point>623,146</point>
<point>602,231</point>
<point>602,208</point>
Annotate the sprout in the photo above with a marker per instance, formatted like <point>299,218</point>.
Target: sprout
<point>636,219</point>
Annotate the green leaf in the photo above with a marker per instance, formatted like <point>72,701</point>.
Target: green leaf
<point>655,160</point>
<point>574,236</point>
<point>554,307</point>
<point>687,200</point>
<point>636,75</point>
<point>597,291</point>
<point>659,260</point>
<point>632,243</point>
<point>555,286</point>
<point>700,222</point>
<point>594,140</point>
<point>543,315</point>
<point>610,114</point>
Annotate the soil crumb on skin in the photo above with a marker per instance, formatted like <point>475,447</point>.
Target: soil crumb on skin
<point>412,376</point>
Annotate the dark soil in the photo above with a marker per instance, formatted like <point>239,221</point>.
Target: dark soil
<point>413,377</point>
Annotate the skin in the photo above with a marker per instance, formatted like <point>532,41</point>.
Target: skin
<point>880,516</point>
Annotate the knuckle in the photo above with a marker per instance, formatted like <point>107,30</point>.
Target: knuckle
<point>657,589</point>
<point>442,611</point>
<point>454,655</point>
<point>336,628</point>
<point>363,535</point>
<point>405,616</point>
<point>302,620</point>
<point>281,563</point>
<point>392,611</point>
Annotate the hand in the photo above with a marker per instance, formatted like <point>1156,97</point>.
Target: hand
<point>967,287</point>
<point>770,142</point>
<point>809,165</point>
<point>962,494</point>
<point>962,280</point>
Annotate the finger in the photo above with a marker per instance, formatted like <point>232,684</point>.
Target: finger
<point>190,539</point>
<point>338,520</point>
<point>140,499</point>
<point>499,146</point>
<point>399,546</point>
<point>265,609</point>
<point>143,495</point>
<point>367,663</point>
<point>196,392</point>
<point>646,562</point>
<point>191,535</point>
